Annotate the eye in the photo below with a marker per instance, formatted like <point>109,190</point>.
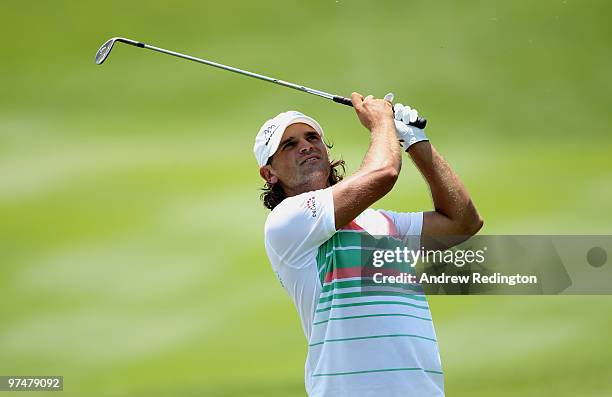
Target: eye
<point>313,137</point>
<point>288,145</point>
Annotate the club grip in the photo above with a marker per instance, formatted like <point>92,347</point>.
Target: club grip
<point>342,100</point>
<point>419,123</point>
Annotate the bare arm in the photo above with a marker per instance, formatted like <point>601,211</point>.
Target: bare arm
<point>455,217</point>
<point>381,164</point>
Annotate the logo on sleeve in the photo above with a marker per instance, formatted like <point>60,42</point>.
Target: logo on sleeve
<point>312,206</point>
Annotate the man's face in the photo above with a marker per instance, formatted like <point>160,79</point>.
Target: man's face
<point>300,163</point>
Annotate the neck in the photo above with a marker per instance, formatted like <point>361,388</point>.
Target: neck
<point>306,187</point>
<point>319,179</point>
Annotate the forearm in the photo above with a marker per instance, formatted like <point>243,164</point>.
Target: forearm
<point>384,151</point>
<point>378,172</point>
<point>380,167</point>
<point>450,197</point>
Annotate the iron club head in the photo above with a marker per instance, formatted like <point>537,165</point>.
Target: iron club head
<point>106,48</point>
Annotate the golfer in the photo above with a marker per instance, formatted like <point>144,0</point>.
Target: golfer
<point>360,344</point>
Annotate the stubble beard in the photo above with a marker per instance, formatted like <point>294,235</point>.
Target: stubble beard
<point>314,179</point>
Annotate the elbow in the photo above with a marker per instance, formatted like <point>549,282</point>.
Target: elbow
<point>386,177</point>
<point>381,180</point>
<point>467,222</point>
<point>378,181</point>
<point>391,174</point>
<point>472,224</point>
<point>477,224</point>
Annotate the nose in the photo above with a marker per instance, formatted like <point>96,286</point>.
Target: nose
<point>306,146</point>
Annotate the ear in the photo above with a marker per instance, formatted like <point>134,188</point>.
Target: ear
<point>267,173</point>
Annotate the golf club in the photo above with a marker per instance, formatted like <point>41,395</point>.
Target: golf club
<point>106,48</point>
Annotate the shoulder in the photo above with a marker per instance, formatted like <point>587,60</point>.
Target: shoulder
<point>301,210</point>
<point>300,224</point>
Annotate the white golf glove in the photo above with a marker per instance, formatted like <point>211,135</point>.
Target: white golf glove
<point>408,135</point>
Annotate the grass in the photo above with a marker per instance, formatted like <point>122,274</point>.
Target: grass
<point>131,235</point>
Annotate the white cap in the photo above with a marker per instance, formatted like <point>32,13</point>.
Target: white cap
<point>269,135</point>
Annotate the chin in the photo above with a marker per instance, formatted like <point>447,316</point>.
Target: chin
<point>316,176</point>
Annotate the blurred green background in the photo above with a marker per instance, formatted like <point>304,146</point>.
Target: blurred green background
<point>131,233</point>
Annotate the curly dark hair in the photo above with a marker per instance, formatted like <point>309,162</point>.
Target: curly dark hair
<point>273,194</point>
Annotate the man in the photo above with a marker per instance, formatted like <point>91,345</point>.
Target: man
<point>361,341</point>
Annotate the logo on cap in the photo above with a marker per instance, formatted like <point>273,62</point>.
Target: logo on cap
<point>268,132</point>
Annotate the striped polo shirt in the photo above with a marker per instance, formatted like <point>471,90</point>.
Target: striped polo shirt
<point>364,339</point>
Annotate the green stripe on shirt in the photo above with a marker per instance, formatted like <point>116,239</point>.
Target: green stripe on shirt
<point>367,282</point>
<point>380,370</point>
<point>358,294</point>
<point>372,315</point>
<point>371,337</point>
<point>371,303</point>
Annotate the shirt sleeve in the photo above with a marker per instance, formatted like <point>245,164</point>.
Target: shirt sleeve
<point>409,226</point>
<point>300,224</point>
<point>406,223</point>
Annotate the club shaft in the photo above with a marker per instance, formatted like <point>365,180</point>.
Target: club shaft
<point>243,72</point>
<point>420,122</point>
